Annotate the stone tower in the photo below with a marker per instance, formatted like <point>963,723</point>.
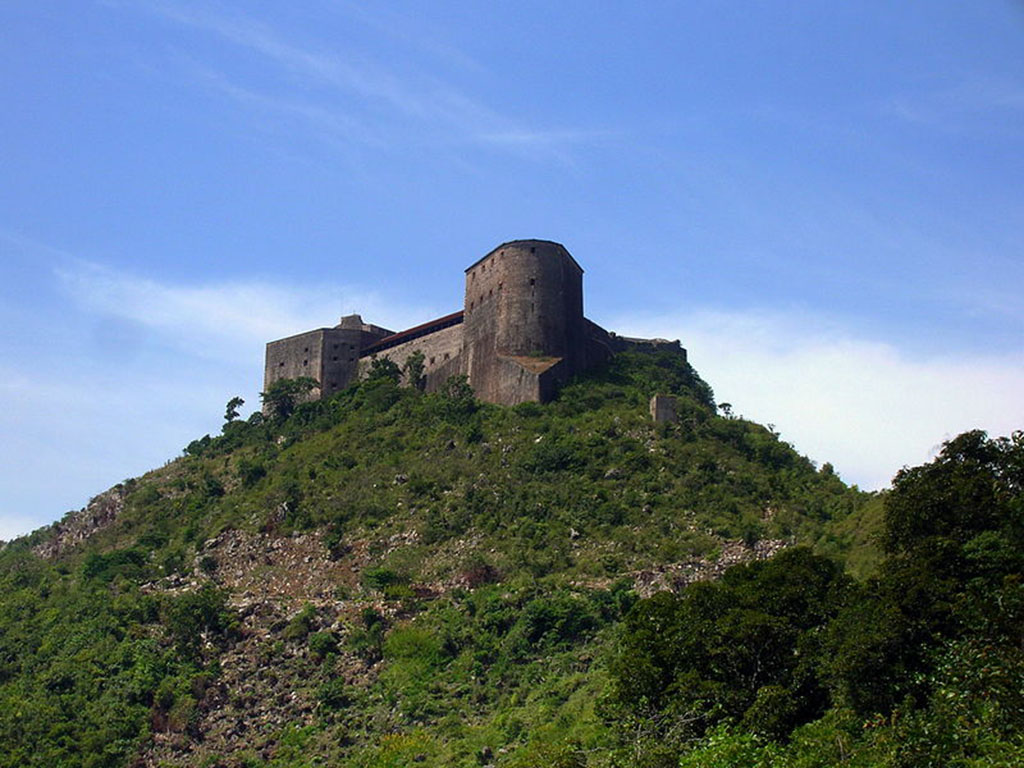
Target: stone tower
<point>523,325</point>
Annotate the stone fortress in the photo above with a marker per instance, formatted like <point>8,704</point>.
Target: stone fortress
<point>520,335</point>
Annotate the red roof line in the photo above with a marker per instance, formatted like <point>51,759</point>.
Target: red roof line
<point>391,340</point>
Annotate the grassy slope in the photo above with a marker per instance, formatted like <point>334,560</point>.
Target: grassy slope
<point>490,552</point>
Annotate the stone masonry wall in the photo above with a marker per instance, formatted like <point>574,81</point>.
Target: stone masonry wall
<point>524,298</point>
<point>340,359</point>
<point>295,357</point>
<point>442,353</point>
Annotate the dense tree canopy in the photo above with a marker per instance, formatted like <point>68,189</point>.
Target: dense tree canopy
<point>927,652</point>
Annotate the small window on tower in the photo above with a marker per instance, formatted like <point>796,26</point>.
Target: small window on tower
<point>432,360</point>
<point>533,281</point>
<point>445,355</point>
<point>334,358</point>
<point>281,364</point>
<point>305,362</point>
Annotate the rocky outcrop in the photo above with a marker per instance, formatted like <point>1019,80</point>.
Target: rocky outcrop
<point>76,527</point>
<point>675,576</point>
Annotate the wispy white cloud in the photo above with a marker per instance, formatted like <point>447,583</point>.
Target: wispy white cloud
<point>972,104</point>
<point>862,404</point>
<point>332,124</point>
<point>225,320</point>
<point>421,33</point>
<point>89,417</point>
<point>420,98</point>
<point>74,429</point>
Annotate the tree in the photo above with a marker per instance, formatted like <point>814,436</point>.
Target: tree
<point>969,488</point>
<point>743,649</point>
<point>458,402</point>
<point>231,410</point>
<point>282,397</point>
<point>954,534</point>
<point>413,369</point>
<point>384,368</point>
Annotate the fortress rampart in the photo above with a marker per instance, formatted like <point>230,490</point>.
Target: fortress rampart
<point>520,335</point>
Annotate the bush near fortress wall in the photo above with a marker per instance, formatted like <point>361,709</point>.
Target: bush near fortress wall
<point>284,395</point>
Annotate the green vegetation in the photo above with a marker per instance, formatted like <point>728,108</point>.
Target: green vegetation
<point>410,578</point>
<point>788,663</point>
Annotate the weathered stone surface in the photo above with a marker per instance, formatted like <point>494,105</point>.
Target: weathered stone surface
<point>675,576</point>
<point>663,409</point>
<point>76,527</point>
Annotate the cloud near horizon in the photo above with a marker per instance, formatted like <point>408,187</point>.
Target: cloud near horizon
<point>222,320</point>
<point>864,405</point>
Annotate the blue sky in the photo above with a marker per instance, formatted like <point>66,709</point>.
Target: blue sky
<point>822,200</point>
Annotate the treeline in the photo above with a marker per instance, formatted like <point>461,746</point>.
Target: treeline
<point>789,662</point>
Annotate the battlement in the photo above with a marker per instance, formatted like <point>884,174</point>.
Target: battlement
<point>520,335</point>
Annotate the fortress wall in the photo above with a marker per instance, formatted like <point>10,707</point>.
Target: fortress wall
<point>340,358</point>
<point>442,352</point>
<point>485,283</point>
<point>295,357</point>
<point>622,343</point>
<point>540,301</point>
<point>600,344</point>
<point>529,379</point>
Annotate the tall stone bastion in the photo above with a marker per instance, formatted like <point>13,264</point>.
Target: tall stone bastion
<point>519,336</point>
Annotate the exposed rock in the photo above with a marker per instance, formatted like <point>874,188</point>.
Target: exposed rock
<point>675,576</point>
<point>78,526</point>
